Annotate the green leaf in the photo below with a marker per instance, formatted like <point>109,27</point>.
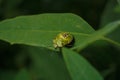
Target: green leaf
<point>40,30</point>
<point>98,35</point>
<point>118,1</point>
<point>111,14</point>
<point>23,75</point>
<point>31,29</point>
<point>78,67</point>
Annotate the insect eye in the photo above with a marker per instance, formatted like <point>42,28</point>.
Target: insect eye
<point>65,35</point>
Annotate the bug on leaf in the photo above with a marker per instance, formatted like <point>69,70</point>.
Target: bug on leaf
<point>62,39</point>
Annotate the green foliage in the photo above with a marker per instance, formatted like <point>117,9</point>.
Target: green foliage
<point>112,13</point>
<point>32,29</point>
<point>23,75</point>
<point>78,67</point>
<point>119,1</point>
<point>43,62</point>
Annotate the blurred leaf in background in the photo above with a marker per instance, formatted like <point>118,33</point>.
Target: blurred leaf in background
<point>40,63</point>
<point>118,1</point>
<point>9,8</point>
<point>22,75</point>
<point>89,10</point>
<point>111,12</point>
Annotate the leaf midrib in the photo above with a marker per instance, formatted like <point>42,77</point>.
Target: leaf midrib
<point>50,31</point>
<point>83,34</point>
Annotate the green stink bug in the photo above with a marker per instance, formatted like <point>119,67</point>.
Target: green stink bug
<point>62,39</point>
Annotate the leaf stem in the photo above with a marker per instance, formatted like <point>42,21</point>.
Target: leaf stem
<point>111,41</point>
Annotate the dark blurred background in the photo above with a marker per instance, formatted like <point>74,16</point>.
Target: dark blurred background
<point>104,57</point>
<point>89,10</point>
